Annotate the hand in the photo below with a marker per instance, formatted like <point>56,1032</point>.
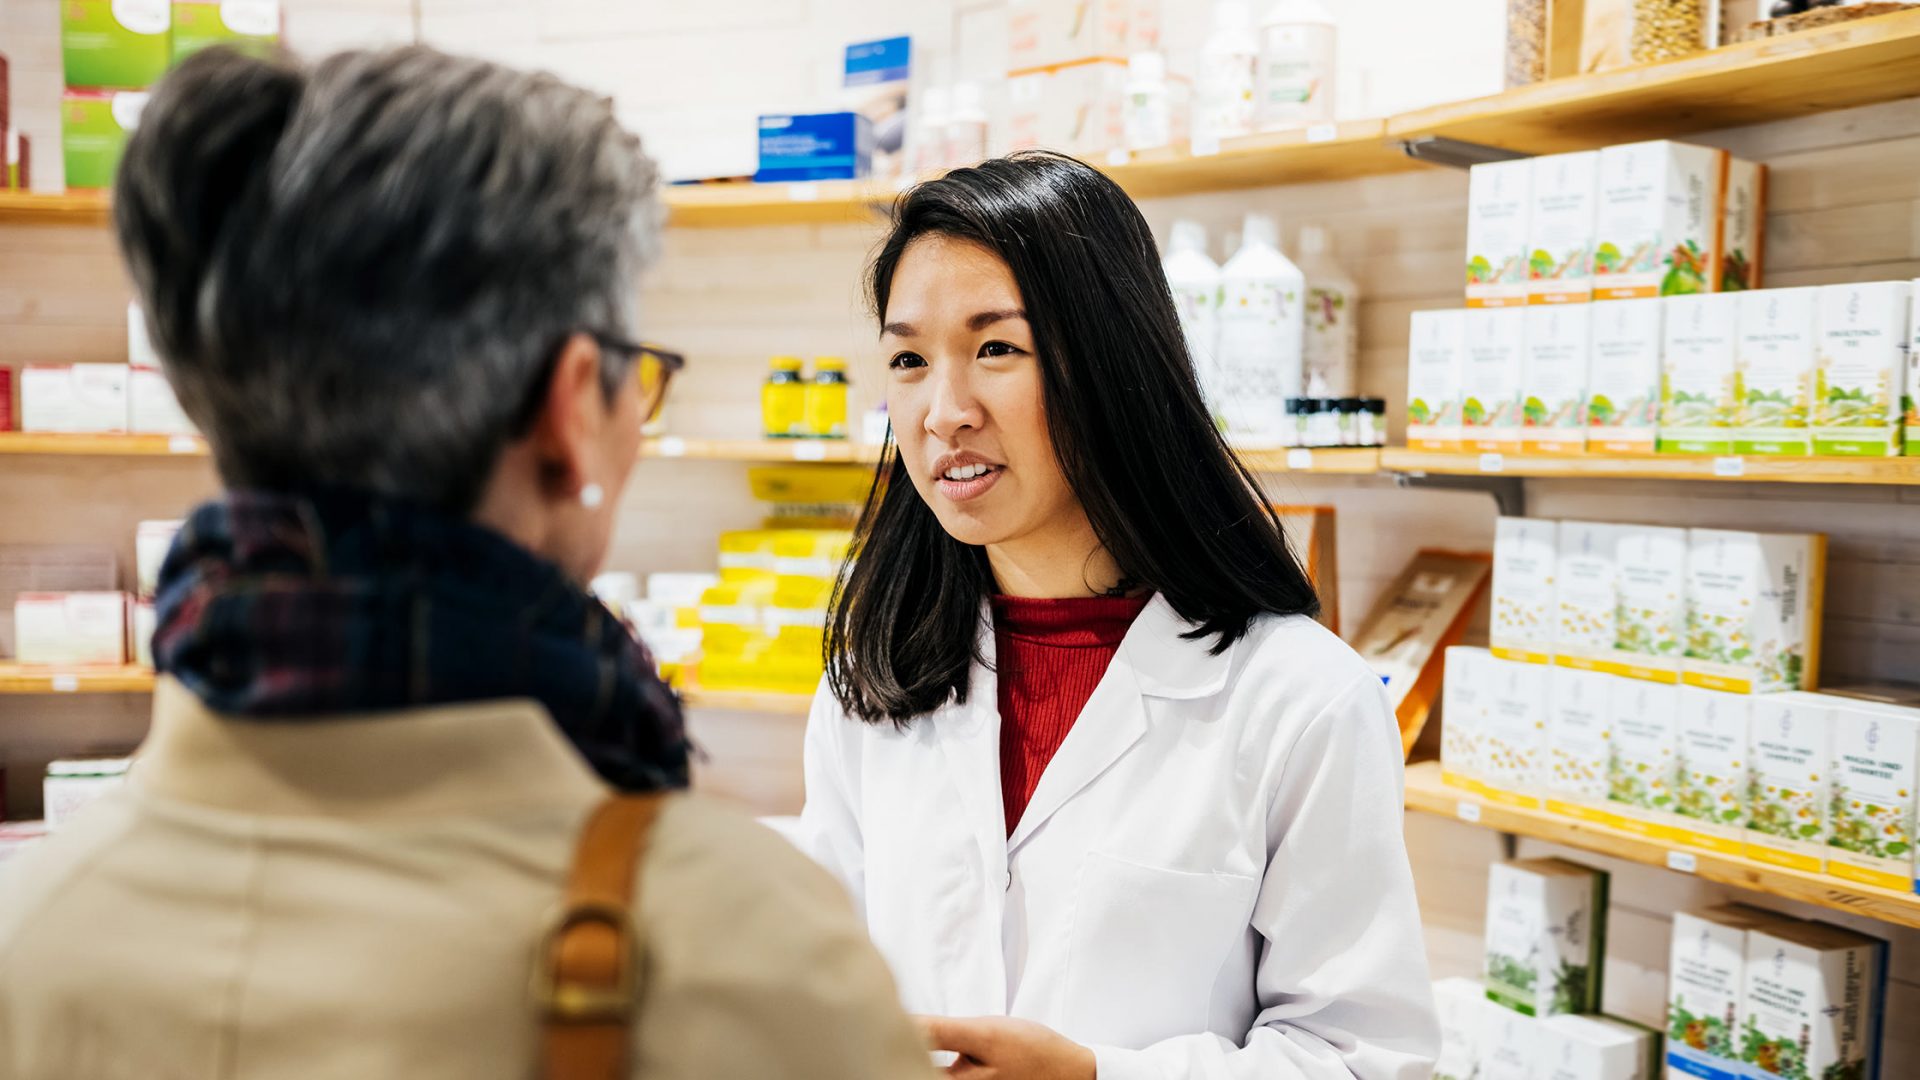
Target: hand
<point>1002,1048</point>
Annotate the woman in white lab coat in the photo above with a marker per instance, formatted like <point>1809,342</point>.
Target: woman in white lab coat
<point>1110,800</point>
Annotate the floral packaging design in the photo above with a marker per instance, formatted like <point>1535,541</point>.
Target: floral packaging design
<point>1436,378</point>
<point>1641,772</point>
<point>1524,615</point>
<point>1546,936</point>
<point>1862,364</point>
<point>1774,363</point>
<point>1463,715</point>
<point>1699,376</point>
<point>1514,752</point>
<point>1579,743</point>
<point>1661,226</point>
<point>1623,376</point>
<point>1910,396</point>
<point>1706,980</point>
<point>1870,806</point>
<point>1711,770</point>
<point>1753,610</point>
<point>1790,752</point>
<point>1560,228</point>
<point>1586,587</point>
<point>1490,408</point>
<point>1597,1048</point>
<point>1499,203</point>
<point>1554,379</point>
<point>1812,1004</point>
<point>1461,1007</point>
<point>1651,610</point>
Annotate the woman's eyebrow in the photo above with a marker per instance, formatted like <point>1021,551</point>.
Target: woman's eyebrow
<point>987,318</point>
<point>898,329</point>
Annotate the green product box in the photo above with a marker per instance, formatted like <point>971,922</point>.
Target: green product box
<point>94,128</point>
<point>252,26</point>
<point>115,44</point>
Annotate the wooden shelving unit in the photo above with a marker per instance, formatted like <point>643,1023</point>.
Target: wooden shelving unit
<point>745,701</point>
<point>1428,794</point>
<point>37,679</point>
<point>819,202</point>
<point>665,448</point>
<point>50,445</point>
<point>1794,470</point>
<point>1339,461</point>
<point>70,208</point>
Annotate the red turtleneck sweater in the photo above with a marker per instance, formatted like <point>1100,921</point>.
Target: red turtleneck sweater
<point>1050,654</point>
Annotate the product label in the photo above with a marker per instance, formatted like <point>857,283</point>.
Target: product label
<point>1710,774</point>
<point>1652,234</point>
<point>1554,406</point>
<point>1775,371</point>
<point>1805,1009</point>
<point>1490,414</point>
<point>1740,262</point>
<point>1862,357</point>
<point>1560,262</point>
<point>1333,355</point>
<point>1699,385</point>
<point>1787,796</point>
<point>1540,940</point>
<point>1498,204</point>
<point>1640,776</point>
<point>1436,373</point>
<point>1747,603</point>
<point>1624,377</point>
<point>119,44</point>
<point>1516,732</point>
<point>1871,808</point>
<point>1650,562</point>
<point>1294,83</point>
<point>1259,362</point>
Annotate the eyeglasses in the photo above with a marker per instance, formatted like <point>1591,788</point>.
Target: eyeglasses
<point>654,368</point>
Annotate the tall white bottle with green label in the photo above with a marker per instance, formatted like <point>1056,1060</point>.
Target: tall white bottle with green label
<point>1262,339</point>
<point>1194,280</point>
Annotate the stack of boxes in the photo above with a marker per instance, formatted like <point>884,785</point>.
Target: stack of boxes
<point>104,398</point>
<point>65,607</point>
<point>1067,71</point>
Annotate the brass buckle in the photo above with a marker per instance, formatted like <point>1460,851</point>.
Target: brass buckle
<point>573,1002</point>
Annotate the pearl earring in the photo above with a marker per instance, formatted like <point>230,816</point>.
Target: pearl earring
<point>592,496</point>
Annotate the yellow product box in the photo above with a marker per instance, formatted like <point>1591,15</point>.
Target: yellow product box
<point>1579,743</point>
<point>1650,564</point>
<point>1711,773</point>
<point>1465,687</point>
<point>1789,751</point>
<point>1753,610</point>
<point>1524,615</point>
<point>1642,771</point>
<point>1586,587</point>
<point>1876,750</point>
<point>747,556</point>
<point>1515,751</point>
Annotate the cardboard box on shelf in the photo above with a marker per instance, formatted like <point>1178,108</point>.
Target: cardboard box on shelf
<point>1436,379</point>
<point>251,26</point>
<point>1404,638</point>
<point>1553,410</point>
<point>1862,362</point>
<point>1774,361</point>
<point>1586,590</point>
<point>1512,1043</point>
<point>1579,743</point>
<point>115,44</point>
<point>1664,219</point>
<point>1524,613</point>
<point>1623,376</point>
<point>1461,1006</point>
<point>1711,773</point>
<point>93,133</point>
<point>1076,108</point>
<point>1560,227</point>
<point>1790,751</point>
<point>71,784</point>
<point>1597,1048</point>
<point>1699,378</point>
<point>1046,32</point>
<point>1499,209</point>
<point>151,542</point>
<point>1650,562</point>
<point>50,569</point>
<point>1490,410</point>
<point>1754,602</point>
<point>1743,226</point>
<point>1876,754</point>
<point>1813,1000</point>
<point>814,146</point>
<point>1642,771</point>
<point>1706,984</point>
<point>71,628</point>
<point>74,398</point>
<point>1514,753</point>
<point>1466,686</point>
<point>1546,936</point>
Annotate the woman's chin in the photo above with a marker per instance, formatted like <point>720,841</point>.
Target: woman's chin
<point>971,526</point>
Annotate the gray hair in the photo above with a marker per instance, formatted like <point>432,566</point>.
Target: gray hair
<point>356,273</point>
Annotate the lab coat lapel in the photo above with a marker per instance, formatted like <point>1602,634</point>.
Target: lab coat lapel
<point>969,739</point>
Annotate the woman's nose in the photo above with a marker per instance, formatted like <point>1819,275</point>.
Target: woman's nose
<point>954,408</point>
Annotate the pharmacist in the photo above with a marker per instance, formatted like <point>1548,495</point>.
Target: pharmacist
<point>1108,798</point>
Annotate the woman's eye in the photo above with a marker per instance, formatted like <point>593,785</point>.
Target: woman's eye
<point>905,360</point>
<point>998,348</point>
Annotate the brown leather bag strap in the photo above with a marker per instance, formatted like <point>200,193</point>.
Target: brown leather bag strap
<point>586,979</point>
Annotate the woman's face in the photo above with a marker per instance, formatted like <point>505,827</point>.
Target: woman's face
<point>965,397</point>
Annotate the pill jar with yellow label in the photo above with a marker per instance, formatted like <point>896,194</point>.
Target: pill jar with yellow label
<point>783,400</point>
<point>827,398</point>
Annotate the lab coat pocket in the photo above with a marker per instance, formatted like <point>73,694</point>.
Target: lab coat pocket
<point>1147,947</point>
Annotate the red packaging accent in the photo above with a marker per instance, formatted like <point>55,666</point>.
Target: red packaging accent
<point>6,399</point>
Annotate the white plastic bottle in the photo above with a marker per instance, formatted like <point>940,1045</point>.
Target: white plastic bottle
<point>1195,282</point>
<point>1149,117</point>
<point>1332,356</point>
<point>1293,83</point>
<point>929,131</point>
<point>1223,101</point>
<point>967,126</point>
<point>1262,336</point>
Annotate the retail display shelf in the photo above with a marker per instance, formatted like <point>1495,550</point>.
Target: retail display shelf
<point>1775,78</point>
<point>832,451</point>
<point>60,445</point>
<point>39,679</point>
<point>1793,470</point>
<point>1429,794</point>
<point>777,704</point>
<point>1340,460</point>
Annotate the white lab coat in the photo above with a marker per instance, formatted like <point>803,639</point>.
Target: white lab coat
<point>1210,881</point>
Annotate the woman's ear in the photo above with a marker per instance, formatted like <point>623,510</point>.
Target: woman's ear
<point>567,427</point>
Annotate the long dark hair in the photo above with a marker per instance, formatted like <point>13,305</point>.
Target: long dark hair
<point>1170,502</point>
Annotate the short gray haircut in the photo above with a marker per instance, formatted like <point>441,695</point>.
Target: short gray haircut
<point>357,273</point>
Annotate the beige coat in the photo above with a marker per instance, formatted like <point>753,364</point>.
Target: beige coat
<point>360,898</point>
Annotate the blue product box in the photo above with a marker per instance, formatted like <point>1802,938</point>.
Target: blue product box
<point>816,146</point>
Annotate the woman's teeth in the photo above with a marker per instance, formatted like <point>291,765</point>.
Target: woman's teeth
<point>968,472</point>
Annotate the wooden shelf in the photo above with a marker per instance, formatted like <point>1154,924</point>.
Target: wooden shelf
<point>36,679</point>
<point>1427,793</point>
<point>829,451</point>
<point>37,443</point>
<point>830,202</point>
<point>1791,470</point>
<point>70,208</point>
<point>1344,461</point>
<point>1343,151</point>
<point>774,704</point>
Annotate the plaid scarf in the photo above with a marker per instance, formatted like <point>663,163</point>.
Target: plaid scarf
<point>283,606</point>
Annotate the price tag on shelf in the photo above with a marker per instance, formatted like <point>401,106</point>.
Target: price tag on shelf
<point>1683,861</point>
<point>183,444</point>
<point>803,192</point>
<point>1118,156</point>
<point>1493,462</point>
<point>809,451</point>
<point>1468,811</point>
<point>671,446</point>
<point>1729,466</point>
<point>1205,145</point>
<point>66,684</point>
<point>1323,133</point>
<point>1300,459</point>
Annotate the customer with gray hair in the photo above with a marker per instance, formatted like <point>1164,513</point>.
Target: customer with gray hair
<point>405,775</point>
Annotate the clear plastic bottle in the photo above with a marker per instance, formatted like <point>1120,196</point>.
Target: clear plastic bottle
<point>967,126</point>
<point>1333,310</point>
<point>1149,116</point>
<point>1195,283</point>
<point>1223,101</point>
<point>1294,80</point>
<point>1262,335</point>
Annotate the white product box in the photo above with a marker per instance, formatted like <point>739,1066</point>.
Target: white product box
<point>1650,562</point>
<point>1743,226</point>
<point>75,398</point>
<point>1660,227</point>
<point>1546,936</point>
<point>1586,588</point>
<point>1790,752</point>
<point>1461,1005</point>
<point>141,355</point>
<point>152,409</point>
<point>71,785</point>
<point>1466,688</point>
<point>1812,1002</point>
<point>1490,417</point>
<point>1862,362</point>
<point>1910,397</point>
<point>1512,1042</point>
<point>1642,771</point>
<point>1566,191</point>
<point>71,628</point>
<point>1706,981</point>
<point>1515,750</point>
<point>1524,615</point>
<point>1876,749</point>
<point>1553,408</point>
<point>1579,742</point>
<point>1499,204</point>
<point>1753,610</point>
<point>1436,379</point>
<point>1597,1048</point>
<point>1775,361</point>
<point>1699,379</point>
<point>1711,773</point>
<point>1043,32</point>
<point>1623,377</point>
<point>1077,108</point>
<point>151,542</point>
<point>140,633</point>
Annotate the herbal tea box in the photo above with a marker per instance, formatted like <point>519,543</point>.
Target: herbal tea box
<point>1436,378</point>
<point>1710,770</point>
<point>1461,1007</point>
<point>1910,395</point>
<point>1586,588</point>
<point>1554,379</point>
<point>1658,220</point>
<point>1642,771</point>
<point>1871,824</point>
<point>1706,981</point>
<point>94,128</point>
<point>1499,202</point>
<point>1699,381</point>
<point>1466,687</point>
<point>1753,610</point>
<point>1579,742</point>
<point>1623,376</point>
<point>1743,219</point>
<point>1524,550</point>
<point>1511,1044</point>
<point>1650,564</point>
<point>1862,362</point>
<point>114,44</point>
<point>1812,1001</point>
<point>1490,416</point>
<point>1546,936</point>
<point>1560,227</point>
<point>1789,755</point>
<point>1774,362</point>
<point>251,26</point>
<point>1596,1048</point>
<point>1515,747</point>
